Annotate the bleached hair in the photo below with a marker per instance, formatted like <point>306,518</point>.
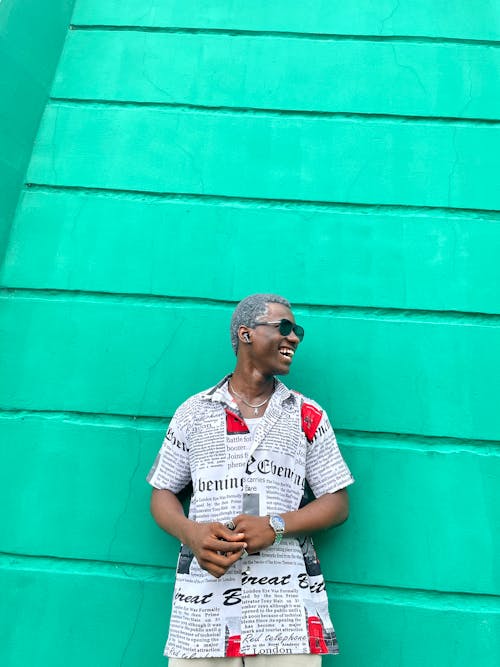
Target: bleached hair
<point>248,311</point>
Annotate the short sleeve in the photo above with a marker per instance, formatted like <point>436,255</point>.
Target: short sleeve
<point>171,469</point>
<point>326,470</point>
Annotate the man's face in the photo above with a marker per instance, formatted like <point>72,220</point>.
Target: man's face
<point>271,352</point>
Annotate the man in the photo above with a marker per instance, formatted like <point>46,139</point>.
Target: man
<point>249,589</point>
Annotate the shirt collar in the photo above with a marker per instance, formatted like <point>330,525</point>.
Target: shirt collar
<point>218,393</point>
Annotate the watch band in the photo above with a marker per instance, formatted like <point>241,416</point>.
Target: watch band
<point>277,523</point>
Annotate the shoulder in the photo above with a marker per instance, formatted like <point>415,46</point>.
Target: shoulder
<point>306,403</point>
<point>312,415</point>
<point>197,405</point>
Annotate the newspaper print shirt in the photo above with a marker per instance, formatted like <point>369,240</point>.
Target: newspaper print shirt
<point>273,602</point>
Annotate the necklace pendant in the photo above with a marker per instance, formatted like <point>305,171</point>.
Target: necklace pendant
<point>256,411</point>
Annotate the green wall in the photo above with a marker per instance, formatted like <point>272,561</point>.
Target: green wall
<point>343,154</point>
<point>31,38</point>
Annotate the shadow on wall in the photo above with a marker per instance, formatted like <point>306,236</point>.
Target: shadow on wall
<point>32,34</point>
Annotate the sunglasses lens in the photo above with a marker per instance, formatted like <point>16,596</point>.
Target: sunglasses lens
<point>286,327</point>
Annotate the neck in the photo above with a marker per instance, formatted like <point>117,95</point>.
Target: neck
<point>252,385</point>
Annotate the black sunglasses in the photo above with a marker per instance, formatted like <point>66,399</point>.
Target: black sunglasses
<point>286,327</point>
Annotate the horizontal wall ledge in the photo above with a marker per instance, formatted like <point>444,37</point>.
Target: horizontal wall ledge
<point>450,494</point>
<point>82,619</point>
<point>256,202</point>
<point>100,356</point>
<point>84,567</point>
<point>412,442</point>
<point>427,18</point>
<point>282,34</point>
<point>361,117</point>
<point>152,574</point>
<point>387,257</point>
<point>406,441</point>
<point>221,70</point>
<point>430,599</point>
<point>157,424</point>
<point>325,159</point>
<point>306,309</point>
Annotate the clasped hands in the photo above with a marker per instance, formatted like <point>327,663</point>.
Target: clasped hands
<point>217,547</point>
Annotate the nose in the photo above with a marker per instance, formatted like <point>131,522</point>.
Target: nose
<point>292,337</point>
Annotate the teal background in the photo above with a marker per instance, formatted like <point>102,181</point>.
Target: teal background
<point>189,153</point>
<point>31,37</point>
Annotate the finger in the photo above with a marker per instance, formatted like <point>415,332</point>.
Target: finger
<point>216,560</point>
<point>239,518</point>
<point>244,522</point>
<point>236,537</point>
<point>219,566</point>
<point>223,532</point>
<point>232,558</point>
<point>223,545</point>
<point>211,540</point>
<point>221,555</point>
<point>215,571</point>
<point>240,527</point>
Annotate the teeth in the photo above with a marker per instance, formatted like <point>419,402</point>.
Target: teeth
<point>287,352</point>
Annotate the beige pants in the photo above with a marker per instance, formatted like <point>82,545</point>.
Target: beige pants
<point>304,660</point>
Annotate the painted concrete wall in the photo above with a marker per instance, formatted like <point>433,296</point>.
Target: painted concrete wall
<point>31,38</point>
<point>191,153</point>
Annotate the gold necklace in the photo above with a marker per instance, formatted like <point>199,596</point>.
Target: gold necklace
<point>254,407</point>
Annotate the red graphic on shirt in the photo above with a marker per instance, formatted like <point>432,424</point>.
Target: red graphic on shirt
<point>317,642</point>
<point>233,645</point>
<point>311,418</point>
<point>235,424</point>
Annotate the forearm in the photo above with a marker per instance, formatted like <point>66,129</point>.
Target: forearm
<point>169,514</point>
<point>328,510</point>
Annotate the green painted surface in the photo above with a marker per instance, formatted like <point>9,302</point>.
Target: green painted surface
<point>431,79</point>
<point>271,156</point>
<point>385,630</point>
<point>427,18</point>
<point>152,215</point>
<point>98,242</point>
<point>30,44</point>
<point>119,357</point>
<point>75,617</point>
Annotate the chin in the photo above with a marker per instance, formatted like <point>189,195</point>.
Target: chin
<point>275,370</point>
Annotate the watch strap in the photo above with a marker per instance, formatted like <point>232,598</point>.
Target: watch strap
<point>277,523</point>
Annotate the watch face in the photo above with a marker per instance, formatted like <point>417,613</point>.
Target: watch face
<point>277,523</point>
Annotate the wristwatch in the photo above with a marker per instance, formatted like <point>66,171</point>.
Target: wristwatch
<point>277,523</point>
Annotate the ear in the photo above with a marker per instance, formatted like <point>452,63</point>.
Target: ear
<point>244,334</point>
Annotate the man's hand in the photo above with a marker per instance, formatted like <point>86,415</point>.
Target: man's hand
<point>216,547</point>
<point>204,539</point>
<point>328,510</point>
<point>257,532</point>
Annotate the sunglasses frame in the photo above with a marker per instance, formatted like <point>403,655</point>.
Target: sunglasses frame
<point>288,324</point>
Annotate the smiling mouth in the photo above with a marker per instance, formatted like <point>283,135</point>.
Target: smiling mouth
<point>287,352</point>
